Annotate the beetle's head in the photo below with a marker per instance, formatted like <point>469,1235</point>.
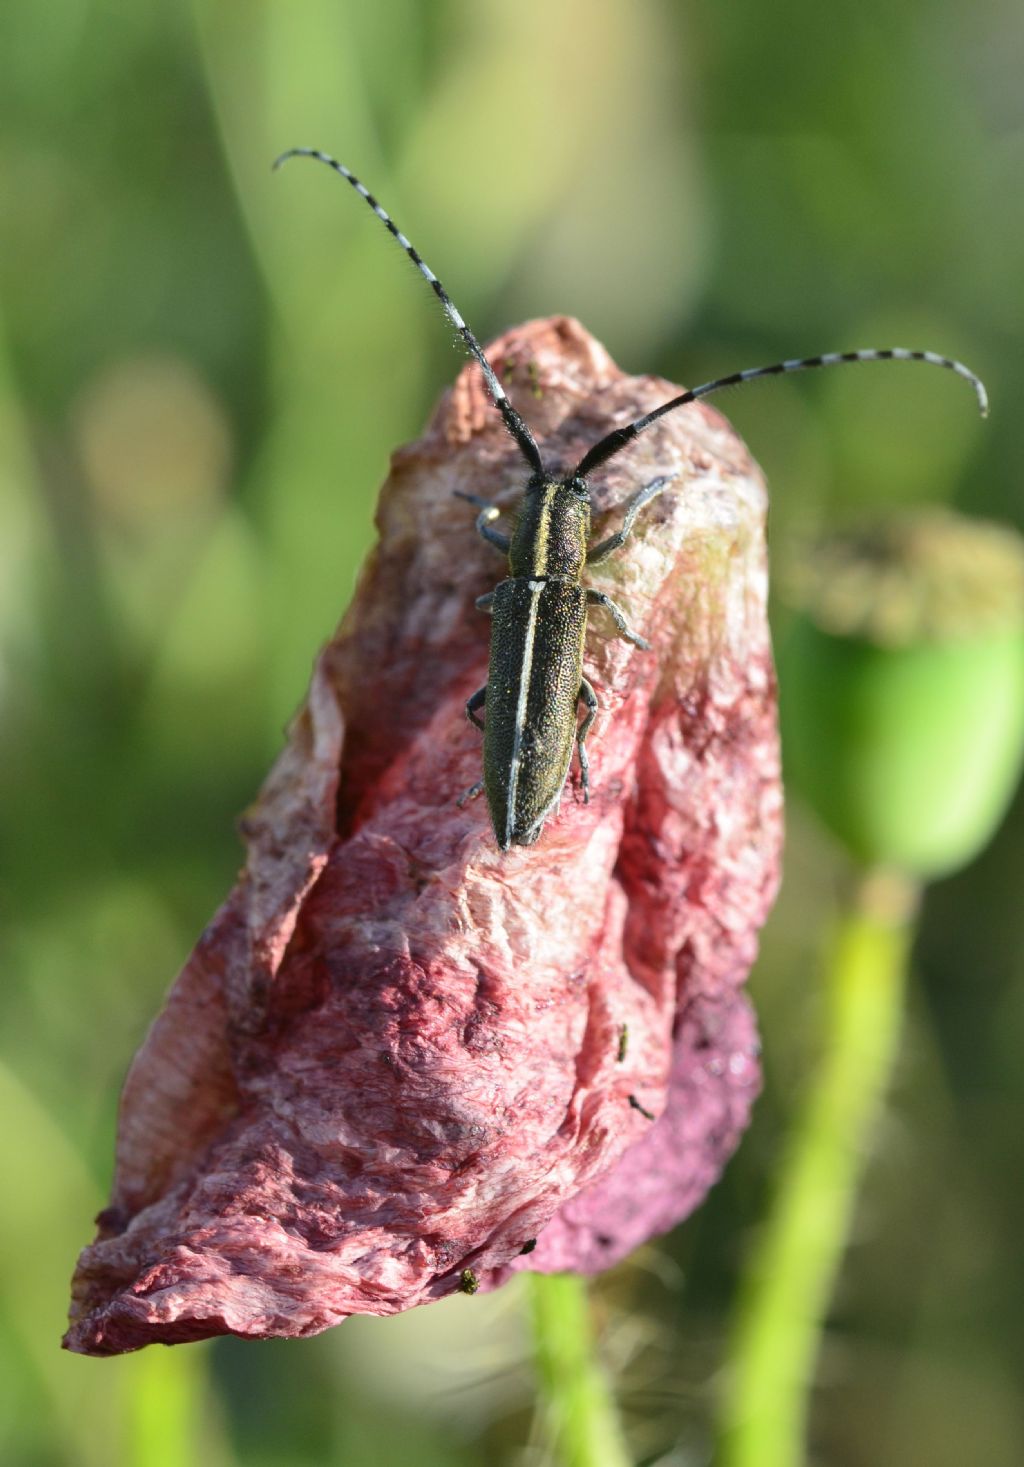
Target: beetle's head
<point>567,486</point>
<point>539,482</point>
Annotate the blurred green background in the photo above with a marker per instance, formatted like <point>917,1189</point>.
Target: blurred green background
<point>203,369</point>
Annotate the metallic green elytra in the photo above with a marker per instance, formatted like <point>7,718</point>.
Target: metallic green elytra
<point>535,680</point>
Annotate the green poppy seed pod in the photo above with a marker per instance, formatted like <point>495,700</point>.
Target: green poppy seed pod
<point>902,687</point>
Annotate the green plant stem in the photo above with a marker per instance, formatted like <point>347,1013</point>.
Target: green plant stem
<point>581,1419</point>
<point>788,1284</point>
<point>166,1410</point>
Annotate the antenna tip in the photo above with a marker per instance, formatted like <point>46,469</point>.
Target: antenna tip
<point>283,157</point>
<point>976,382</point>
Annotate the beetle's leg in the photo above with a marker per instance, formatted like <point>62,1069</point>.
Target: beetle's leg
<point>488,512</point>
<point>590,699</point>
<point>485,603</point>
<point>483,528</point>
<point>477,701</point>
<point>598,598</point>
<point>636,504</point>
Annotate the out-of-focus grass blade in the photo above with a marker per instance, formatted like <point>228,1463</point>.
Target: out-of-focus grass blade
<point>141,1411</point>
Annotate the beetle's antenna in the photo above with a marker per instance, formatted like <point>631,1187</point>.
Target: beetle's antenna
<point>513,422</point>
<point>619,437</point>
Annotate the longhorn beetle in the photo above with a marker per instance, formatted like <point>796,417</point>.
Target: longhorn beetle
<point>535,681</point>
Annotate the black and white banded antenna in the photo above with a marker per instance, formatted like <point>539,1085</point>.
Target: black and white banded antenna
<point>513,422</point>
<point>618,438</point>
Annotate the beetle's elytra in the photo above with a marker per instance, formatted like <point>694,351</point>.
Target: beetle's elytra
<point>535,681</point>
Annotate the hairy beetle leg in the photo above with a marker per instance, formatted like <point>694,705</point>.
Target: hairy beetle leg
<point>598,598</point>
<point>604,549</point>
<point>488,512</point>
<point>590,699</point>
<point>478,700</point>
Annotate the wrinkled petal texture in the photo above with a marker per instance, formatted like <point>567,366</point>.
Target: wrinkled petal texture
<point>397,1053</point>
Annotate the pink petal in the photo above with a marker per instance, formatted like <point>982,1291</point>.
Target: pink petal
<point>396,1054</point>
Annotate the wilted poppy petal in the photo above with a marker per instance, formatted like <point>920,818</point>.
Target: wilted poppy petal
<point>399,1054</point>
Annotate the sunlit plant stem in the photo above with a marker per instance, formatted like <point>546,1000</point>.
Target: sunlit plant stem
<point>791,1275</point>
<point>580,1418</point>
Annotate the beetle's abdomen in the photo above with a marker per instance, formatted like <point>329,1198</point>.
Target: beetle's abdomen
<point>532,688</point>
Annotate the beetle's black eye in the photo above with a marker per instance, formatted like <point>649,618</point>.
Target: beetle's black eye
<point>579,488</point>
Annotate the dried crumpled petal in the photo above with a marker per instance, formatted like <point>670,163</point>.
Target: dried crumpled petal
<point>398,1054</point>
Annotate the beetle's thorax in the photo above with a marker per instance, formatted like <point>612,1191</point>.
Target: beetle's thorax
<point>551,531</point>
